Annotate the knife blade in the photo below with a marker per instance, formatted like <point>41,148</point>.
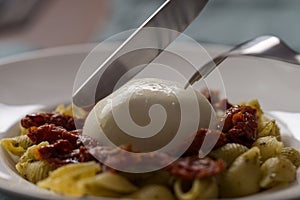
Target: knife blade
<point>171,15</point>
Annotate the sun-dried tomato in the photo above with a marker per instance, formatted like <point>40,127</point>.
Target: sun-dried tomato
<point>240,125</point>
<point>210,135</point>
<point>84,155</point>
<point>57,149</point>
<point>64,146</point>
<point>51,134</point>
<point>62,152</point>
<point>38,119</point>
<point>190,168</point>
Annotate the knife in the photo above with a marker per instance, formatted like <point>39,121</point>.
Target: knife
<point>171,15</point>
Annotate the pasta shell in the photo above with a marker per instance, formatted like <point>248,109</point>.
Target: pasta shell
<point>110,182</point>
<point>159,177</point>
<point>255,104</point>
<point>30,168</point>
<point>269,128</point>
<point>229,152</point>
<point>277,171</point>
<point>292,154</point>
<point>35,171</point>
<point>269,147</point>
<point>153,192</point>
<point>201,189</point>
<point>71,110</point>
<point>65,179</point>
<point>243,176</point>
<point>16,145</point>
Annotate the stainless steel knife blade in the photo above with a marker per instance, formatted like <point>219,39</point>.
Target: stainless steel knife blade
<point>172,15</point>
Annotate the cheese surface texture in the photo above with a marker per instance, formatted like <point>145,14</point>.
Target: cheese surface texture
<point>148,114</point>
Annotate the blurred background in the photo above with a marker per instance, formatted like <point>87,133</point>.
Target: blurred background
<point>34,24</point>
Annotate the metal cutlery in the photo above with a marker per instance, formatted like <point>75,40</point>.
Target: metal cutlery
<point>172,15</point>
<point>267,46</point>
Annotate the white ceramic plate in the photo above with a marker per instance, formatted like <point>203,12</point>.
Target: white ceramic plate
<point>45,78</point>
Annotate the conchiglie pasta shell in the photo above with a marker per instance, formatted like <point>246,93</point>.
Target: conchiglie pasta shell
<point>292,154</point>
<point>269,147</point>
<point>229,152</point>
<point>269,128</point>
<point>277,171</point>
<point>29,154</point>
<point>201,189</point>
<point>70,110</point>
<point>35,171</point>
<point>153,192</point>
<point>16,145</point>
<point>243,176</point>
<point>109,183</point>
<point>65,179</point>
<point>159,177</point>
<point>255,104</point>
<point>27,158</point>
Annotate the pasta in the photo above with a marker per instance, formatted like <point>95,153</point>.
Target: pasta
<point>243,175</point>
<point>153,192</point>
<point>159,177</point>
<point>292,154</point>
<point>70,110</point>
<point>32,169</point>
<point>240,164</point>
<point>40,168</point>
<point>229,152</point>
<point>269,147</point>
<point>70,175</point>
<point>201,189</point>
<point>255,104</point>
<point>269,128</point>
<point>23,131</point>
<point>107,183</point>
<point>62,109</point>
<point>16,145</point>
<point>277,171</point>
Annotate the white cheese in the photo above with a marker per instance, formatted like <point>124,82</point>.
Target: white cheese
<point>147,113</point>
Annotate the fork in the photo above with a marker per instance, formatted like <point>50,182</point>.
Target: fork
<point>267,46</point>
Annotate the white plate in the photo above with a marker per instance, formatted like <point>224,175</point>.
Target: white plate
<point>45,78</point>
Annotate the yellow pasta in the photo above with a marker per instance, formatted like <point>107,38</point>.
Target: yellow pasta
<point>23,131</point>
<point>105,184</point>
<point>229,152</point>
<point>65,179</point>
<point>269,147</point>
<point>16,145</point>
<point>277,171</point>
<point>267,164</point>
<point>35,171</point>
<point>201,189</point>
<point>62,109</point>
<point>32,169</point>
<point>255,104</point>
<point>243,176</point>
<point>152,192</point>
<point>269,128</point>
<point>29,155</point>
<point>159,177</point>
<point>292,154</point>
<point>70,110</point>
